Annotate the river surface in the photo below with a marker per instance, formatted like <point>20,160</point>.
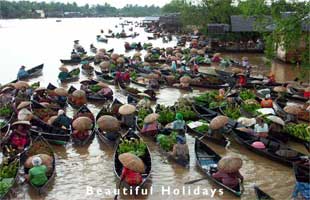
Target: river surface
<point>34,41</point>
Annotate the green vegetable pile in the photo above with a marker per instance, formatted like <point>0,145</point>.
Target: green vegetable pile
<point>6,111</point>
<point>246,94</point>
<point>7,175</point>
<point>216,104</point>
<point>75,72</point>
<point>206,98</point>
<point>166,142</point>
<point>35,85</point>
<point>134,146</point>
<point>187,112</point>
<point>166,115</point>
<point>2,124</point>
<point>133,75</point>
<point>251,108</point>
<point>94,88</point>
<point>232,112</point>
<point>298,130</point>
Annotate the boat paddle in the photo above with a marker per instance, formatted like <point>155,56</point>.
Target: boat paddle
<point>194,181</point>
<point>118,188</point>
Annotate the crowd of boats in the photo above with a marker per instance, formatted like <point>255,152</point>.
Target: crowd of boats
<point>34,116</point>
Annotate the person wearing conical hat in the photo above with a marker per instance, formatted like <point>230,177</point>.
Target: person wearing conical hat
<point>62,120</point>
<point>267,102</point>
<point>40,95</point>
<point>22,73</point>
<point>75,55</point>
<point>63,74</point>
<point>130,174</point>
<point>144,102</point>
<point>20,134</point>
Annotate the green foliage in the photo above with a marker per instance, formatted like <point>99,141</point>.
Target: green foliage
<point>134,146</point>
<point>7,175</point>
<point>187,112</point>
<point>166,115</point>
<point>250,108</point>
<point>94,88</point>
<point>133,75</point>
<point>232,112</point>
<point>6,111</point>
<point>206,98</point>
<point>298,130</point>
<point>166,142</point>
<point>246,94</point>
<point>26,9</point>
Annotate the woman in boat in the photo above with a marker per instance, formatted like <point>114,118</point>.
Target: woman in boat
<point>267,102</point>
<point>22,73</point>
<point>271,78</point>
<point>276,131</point>
<point>41,95</point>
<point>151,126</point>
<point>85,86</point>
<point>37,174</point>
<point>130,175</point>
<point>180,150</point>
<point>62,120</point>
<point>126,77</point>
<point>173,66</point>
<point>241,82</point>
<point>20,133</point>
<point>6,95</point>
<point>106,91</point>
<point>145,102</point>
<point>64,74</point>
<point>261,128</point>
<point>128,115</point>
<point>74,55</point>
<point>229,175</point>
<point>179,124</point>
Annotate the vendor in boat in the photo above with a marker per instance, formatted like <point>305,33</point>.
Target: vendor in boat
<point>6,95</point>
<point>118,78</point>
<point>151,125</point>
<point>126,77</point>
<point>64,74</point>
<point>267,102</point>
<point>85,86</point>
<point>37,174</point>
<point>22,94</point>
<point>179,124</point>
<point>105,91</point>
<point>110,125</point>
<point>22,73</point>
<point>180,150</point>
<point>74,55</point>
<point>133,166</point>
<point>271,78</point>
<point>153,81</point>
<point>217,127</point>
<point>41,95</point>
<point>127,112</point>
<point>216,57</point>
<point>194,68</point>
<point>62,120</point>
<point>20,134</point>
<point>173,66</point>
<point>82,125</point>
<point>261,128</point>
<point>86,65</point>
<point>145,101</point>
<point>276,131</point>
<point>241,80</point>
<point>245,62</point>
<point>228,172</point>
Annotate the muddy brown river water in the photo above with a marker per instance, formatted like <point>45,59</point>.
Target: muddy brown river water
<point>35,41</point>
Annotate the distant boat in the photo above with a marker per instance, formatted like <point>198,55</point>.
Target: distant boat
<point>58,20</point>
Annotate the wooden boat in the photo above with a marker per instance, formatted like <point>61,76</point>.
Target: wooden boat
<point>207,160</point>
<point>62,104</point>
<point>70,91</point>
<point>74,77</point>
<point>41,144</point>
<point>51,133</point>
<point>94,96</point>
<point>272,150</point>
<point>107,110</point>
<point>261,195</point>
<point>33,72</point>
<point>118,167</point>
<point>279,109</point>
<point>92,132</point>
<point>13,182</point>
<point>74,61</point>
<point>301,173</point>
<point>87,72</point>
<point>134,92</point>
<point>106,78</point>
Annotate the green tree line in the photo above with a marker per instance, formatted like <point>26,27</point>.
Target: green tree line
<point>26,9</point>
<point>287,20</point>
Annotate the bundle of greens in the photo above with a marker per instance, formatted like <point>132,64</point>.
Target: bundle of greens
<point>74,72</point>
<point>133,75</point>
<point>232,112</point>
<point>166,115</point>
<point>187,112</point>
<point>166,142</point>
<point>251,108</point>
<point>6,111</point>
<point>300,131</point>
<point>35,85</point>
<point>7,175</point>
<point>206,98</point>
<point>95,88</point>
<point>203,128</point>
<point>216,104</point>
<point>246,94</point>
<point>134,146</point>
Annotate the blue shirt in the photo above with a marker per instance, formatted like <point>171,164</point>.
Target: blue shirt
<point>178,124</point>
<point>303,189</point>
<point>22,73</point>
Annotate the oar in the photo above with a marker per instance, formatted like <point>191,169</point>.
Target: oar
<point>306,145</point>
<point>119,187</point>
<point>194,181</point>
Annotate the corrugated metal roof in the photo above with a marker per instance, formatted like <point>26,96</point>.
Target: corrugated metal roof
<point>151,19</point>
<point>218,28</point>
<point>240,23</point>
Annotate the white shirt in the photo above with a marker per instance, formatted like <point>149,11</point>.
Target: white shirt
<point>261,129</point>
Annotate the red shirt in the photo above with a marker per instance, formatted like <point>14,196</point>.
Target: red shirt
<point>19,141</point>
<point>126,76</point>
<point>228,179</point>
<point>131,177</point>
<point>242,80</point>
<point>307,94</point>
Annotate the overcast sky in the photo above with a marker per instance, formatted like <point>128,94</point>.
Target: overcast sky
<point>116,3</point>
